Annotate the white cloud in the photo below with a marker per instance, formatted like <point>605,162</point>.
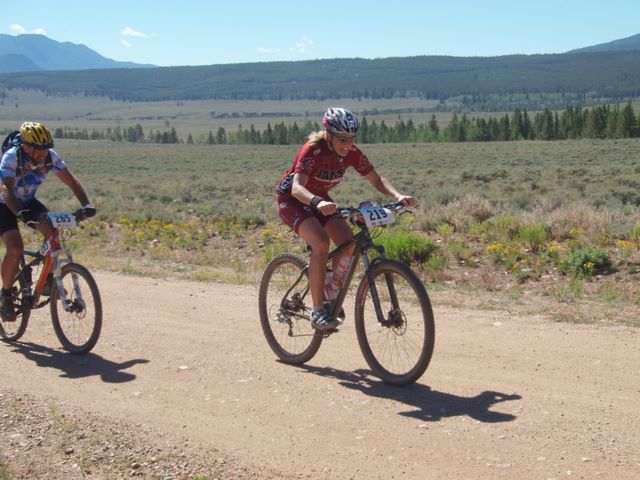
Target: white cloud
<point>17,29</point>
<point>301,46</point>
<point>125,43</point>
<point>268,51</point>
<point>130,32</point>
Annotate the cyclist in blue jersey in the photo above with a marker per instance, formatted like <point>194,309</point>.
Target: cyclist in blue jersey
<point>23,168</point>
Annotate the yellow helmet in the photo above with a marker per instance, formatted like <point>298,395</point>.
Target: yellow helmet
<point>37,135</point>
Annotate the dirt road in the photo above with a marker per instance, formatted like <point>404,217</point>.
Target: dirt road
<point>504,397</point>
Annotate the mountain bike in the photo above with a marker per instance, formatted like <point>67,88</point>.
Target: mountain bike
<point>68,287</point>
<point>393,316</point>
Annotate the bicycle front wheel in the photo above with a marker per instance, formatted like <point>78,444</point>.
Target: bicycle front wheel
<point>13,331</point>
<point>284,315</point>
<point>398,346</point>
<point>78,321</point>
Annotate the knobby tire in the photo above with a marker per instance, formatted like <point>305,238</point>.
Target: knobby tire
<point>398,352</point>
<point>78,331</point>
<point>293,340</point>
<point>13,331</point>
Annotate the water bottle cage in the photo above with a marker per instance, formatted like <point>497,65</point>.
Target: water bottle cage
<point>45,247</point>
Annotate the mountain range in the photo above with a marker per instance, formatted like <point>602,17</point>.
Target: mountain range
<point>627,44</point>
<point>32,53</point>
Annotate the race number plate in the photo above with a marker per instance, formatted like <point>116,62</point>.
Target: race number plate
<point>62,219</point>
<point>375,216</point>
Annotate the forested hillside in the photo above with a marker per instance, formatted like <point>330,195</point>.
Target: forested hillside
<point>594,75</point>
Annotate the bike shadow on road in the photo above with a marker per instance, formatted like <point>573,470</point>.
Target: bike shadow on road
<point>430,405</point>
<point>74,366</point>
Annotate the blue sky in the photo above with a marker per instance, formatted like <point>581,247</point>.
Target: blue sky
<point>198,32</point>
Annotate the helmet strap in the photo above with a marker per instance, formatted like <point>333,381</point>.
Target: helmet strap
<point>330,141</point>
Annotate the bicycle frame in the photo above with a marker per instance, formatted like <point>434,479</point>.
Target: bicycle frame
<point>363,242</point>
<point>53,256</point>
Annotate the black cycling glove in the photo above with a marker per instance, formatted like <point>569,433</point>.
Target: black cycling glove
<point>85,212</point>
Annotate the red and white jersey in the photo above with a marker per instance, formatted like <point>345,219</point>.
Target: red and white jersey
<point>324,168</point>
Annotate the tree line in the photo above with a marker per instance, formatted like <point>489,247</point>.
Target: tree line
<point>596,75</point>
<point>573,123</point>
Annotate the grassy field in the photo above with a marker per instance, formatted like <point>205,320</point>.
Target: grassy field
<point>560,218</point>
<point>520,177</point>
<point>197,118</point>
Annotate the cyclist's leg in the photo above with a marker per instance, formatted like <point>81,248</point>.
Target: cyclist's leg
<point>308,225</point>
<point>10,263</point>
<point>13,246</point>
<point>45,228</point>
<point>340,232</point>
<point>304,222</point>
<point>38,208</point>
<point>312,232</point>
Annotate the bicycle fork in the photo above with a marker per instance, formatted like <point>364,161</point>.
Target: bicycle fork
<point>375,297</point>
<point>59,258</point>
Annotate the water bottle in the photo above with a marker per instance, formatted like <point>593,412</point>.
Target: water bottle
<point>329,292</point>
<point>339,273</point>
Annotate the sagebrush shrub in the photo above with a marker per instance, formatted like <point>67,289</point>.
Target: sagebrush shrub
<point>588,262</point>
<point>534,236</point>
<point>407,247</point>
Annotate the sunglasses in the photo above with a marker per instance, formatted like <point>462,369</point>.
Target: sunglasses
<point>39,147</point>
<point>342,139</point>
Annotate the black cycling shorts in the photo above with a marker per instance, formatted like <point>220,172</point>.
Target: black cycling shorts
<point>8,221</point>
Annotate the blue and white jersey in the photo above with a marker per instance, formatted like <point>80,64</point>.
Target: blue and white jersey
<point>29,180</point>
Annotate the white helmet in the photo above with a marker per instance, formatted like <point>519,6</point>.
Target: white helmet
<point>340,120</point>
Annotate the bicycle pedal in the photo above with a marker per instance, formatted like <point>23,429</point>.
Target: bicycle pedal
<point>326,333</point>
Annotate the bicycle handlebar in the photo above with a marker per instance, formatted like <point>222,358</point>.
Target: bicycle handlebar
<point>79,216</point>
<point>352,213</point>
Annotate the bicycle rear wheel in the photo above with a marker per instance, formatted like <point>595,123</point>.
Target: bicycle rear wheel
<point>284,316</point>
<point>399,348</point>
<point>78,323</point>
<point>13,331</point>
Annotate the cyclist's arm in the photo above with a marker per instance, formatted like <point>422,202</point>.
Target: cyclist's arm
<point>302,194</point>
<point>384,186</point>
<point>72,182</point>
<point>8,193</point>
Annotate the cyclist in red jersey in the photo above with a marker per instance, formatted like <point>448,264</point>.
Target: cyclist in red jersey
<point>304,203</point>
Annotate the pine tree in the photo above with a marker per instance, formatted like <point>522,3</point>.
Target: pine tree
<point>628,124</point>
<point>221,136</point>
<point>363,133</point>
<point>516,125</point>
<point>433,125</point>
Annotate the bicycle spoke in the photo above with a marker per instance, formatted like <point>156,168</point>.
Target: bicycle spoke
<point>284,315</point>
<point>397,346</point>
<point>13,331</point>
<point>78,320</point>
